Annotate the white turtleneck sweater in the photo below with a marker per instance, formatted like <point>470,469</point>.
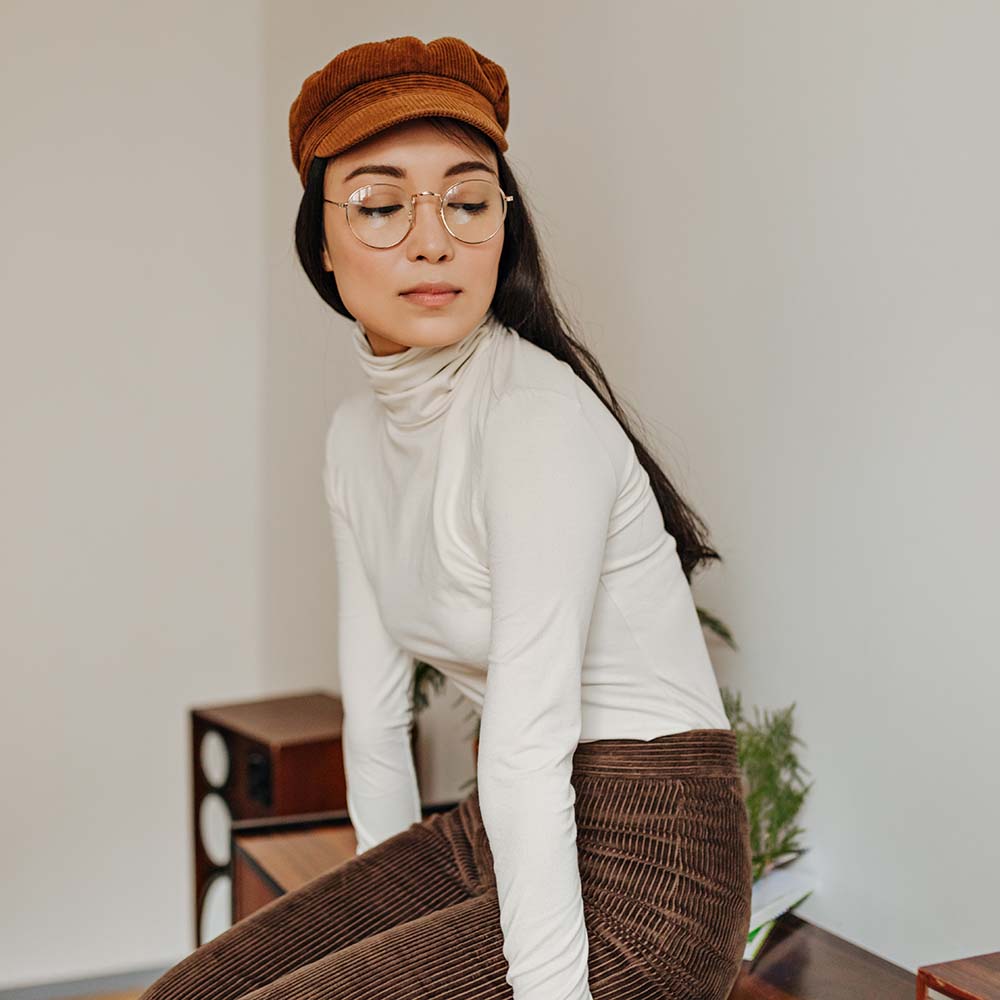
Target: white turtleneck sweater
<point>490,518</point>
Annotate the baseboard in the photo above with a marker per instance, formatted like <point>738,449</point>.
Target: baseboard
<point>116,983</point>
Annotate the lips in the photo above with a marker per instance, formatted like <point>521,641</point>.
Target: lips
<point>431,298</point>
<point>430,288</point>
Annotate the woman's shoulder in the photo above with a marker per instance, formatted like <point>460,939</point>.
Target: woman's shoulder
<point>532,392</point>
<point>523,368</point>
<point>354,411</point>
<point>347,431</point>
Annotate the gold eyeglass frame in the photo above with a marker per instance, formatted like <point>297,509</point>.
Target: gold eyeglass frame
<point>411,210</point>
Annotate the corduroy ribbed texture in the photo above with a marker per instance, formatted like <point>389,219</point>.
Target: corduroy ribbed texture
<point>371,86</point>
<point>665,865</point>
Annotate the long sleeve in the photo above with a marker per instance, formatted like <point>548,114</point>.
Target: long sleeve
<point>375,677</point>
<point>549,488</point>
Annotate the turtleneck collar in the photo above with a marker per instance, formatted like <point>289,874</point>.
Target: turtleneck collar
<point>415,385</point>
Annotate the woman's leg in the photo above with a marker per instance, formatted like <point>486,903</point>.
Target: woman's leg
<point>451,954</point>
<point>455,952</point>
<point>422,869</point>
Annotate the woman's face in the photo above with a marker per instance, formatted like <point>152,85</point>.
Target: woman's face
<point>371,281</point>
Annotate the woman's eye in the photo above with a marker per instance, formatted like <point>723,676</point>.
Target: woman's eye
<point>382,210</point>
<point>470,207</point>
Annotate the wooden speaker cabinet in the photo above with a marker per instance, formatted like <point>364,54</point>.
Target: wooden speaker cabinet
<point>265,758</point>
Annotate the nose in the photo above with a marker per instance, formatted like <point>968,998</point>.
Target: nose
<point>428,239</point>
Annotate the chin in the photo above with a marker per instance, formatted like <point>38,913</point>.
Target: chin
<point>441,325</point>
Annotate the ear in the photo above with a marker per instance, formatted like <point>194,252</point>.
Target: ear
<point>327,263</point>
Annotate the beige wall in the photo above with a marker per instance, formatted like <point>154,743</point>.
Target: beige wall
<point>133,294</point>
<point>802,307</point>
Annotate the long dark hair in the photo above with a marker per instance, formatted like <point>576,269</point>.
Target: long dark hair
<point>524,302</point>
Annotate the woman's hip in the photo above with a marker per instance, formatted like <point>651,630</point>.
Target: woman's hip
<point>663,849</point>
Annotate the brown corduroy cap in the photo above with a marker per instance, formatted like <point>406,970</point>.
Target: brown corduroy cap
<point>371,86</point>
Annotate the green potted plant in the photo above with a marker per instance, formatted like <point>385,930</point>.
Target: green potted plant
<point>772,781</point>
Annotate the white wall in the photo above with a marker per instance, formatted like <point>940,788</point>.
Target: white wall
<point>133,305</point>
<point>802,307</point>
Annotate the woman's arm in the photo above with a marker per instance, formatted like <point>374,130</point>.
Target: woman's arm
<point>549,489</point>
<point>375,678</point>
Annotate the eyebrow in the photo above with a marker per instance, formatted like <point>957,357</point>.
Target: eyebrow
<point>388,170</point>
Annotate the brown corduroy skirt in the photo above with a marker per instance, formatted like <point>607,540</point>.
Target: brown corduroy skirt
<point>665,866</point>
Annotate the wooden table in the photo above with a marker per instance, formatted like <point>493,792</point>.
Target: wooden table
<point>799,961</point>
<point>802,961</point>
<point>974,978</point>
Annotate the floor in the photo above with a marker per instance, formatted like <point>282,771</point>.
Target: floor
<point>126,995</point>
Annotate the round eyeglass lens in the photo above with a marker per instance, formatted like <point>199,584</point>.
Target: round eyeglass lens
<point>379,213</point>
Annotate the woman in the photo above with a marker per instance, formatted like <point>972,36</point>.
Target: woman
<point>493,515</point>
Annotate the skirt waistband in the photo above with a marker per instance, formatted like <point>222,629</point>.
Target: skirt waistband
<point>692,753</point>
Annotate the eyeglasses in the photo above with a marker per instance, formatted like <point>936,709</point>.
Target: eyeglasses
<point>381,215</point>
